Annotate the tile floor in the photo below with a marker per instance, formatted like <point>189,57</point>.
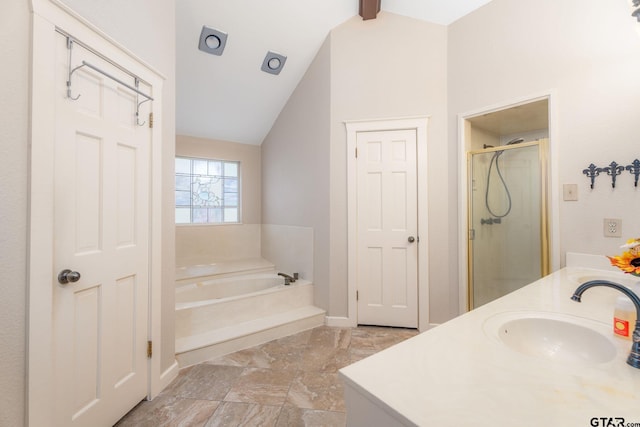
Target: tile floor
<point>292,381</point>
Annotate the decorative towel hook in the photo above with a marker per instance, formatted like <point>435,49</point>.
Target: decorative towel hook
<point>71,71</point>
<point>138,113</point>
<point>634,169</point>
<point>138,104</point>
<point>592,172</point>
<point>613,170</point>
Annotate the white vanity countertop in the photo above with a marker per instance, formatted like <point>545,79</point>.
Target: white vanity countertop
<point>456,374</point>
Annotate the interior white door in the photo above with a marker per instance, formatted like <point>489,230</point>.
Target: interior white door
<point>387,240</point>
<point>101,232</point>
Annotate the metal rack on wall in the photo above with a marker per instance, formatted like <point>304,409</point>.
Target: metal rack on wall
<point>613,170</point>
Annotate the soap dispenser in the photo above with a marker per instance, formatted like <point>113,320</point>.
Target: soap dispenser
<point>624,315</point>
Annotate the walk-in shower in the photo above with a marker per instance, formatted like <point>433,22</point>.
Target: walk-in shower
<point>508,245</point>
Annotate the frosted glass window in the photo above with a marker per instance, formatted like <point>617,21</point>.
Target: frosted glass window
<point>231,169</point>
<point>183,166</point>
<point>207,191</point>
<point>231,215</point>
<point>183,215</point>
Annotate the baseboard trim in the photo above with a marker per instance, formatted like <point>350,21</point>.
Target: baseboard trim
<point>169,375</point>
<point>346,322</point>
<point>340,322</point>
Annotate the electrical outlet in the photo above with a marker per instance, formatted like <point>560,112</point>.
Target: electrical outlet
<point>612,227</point>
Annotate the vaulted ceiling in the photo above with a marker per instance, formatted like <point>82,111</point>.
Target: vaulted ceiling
<point>228,97</point>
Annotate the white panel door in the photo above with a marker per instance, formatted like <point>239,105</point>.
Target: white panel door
<point>387,260</point>
<point>101,232</point>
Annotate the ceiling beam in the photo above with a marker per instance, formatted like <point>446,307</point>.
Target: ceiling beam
<point>369,9</point>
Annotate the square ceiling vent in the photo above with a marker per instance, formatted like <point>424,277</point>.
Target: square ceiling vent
<point>212,41</point>
<point>273,63</point>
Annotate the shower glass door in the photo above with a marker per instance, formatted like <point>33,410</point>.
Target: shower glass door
<point>508,245</point>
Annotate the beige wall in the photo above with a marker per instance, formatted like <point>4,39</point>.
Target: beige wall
<point>390,67</point>
<point>14,47</point>
<point>206,243</point>
<point>588,56</point>
<point>295,165</point>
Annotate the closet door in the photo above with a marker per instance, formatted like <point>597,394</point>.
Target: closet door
<point>387,227</point>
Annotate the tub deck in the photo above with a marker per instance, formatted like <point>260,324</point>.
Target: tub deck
<point>204,270</point>
<point>242,321</point>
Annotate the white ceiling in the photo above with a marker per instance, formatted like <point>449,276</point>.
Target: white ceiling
<point>227,97</point>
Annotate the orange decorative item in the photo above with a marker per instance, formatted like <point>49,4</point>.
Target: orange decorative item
<point>624,315</point>
<point>629,261</point>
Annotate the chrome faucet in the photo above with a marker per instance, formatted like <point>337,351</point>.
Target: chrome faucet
<point>289,279</point>
<point>634,356</point>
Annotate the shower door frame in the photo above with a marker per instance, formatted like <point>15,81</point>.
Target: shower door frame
<point>542,145</point>
<point>553,193</point>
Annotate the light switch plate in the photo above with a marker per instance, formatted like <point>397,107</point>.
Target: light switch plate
<point>612,227</point>
<point>570,192</point>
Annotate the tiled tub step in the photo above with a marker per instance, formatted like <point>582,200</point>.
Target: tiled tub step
<point>218,342</point>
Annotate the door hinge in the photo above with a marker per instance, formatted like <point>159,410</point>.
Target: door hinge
<point>150,120</point>
<point>357,296</point>
<point>472,234</point>
<point>149,349</point>
<point>356,152</point>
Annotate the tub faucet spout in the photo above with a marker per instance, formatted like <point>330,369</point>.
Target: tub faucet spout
<point>289,279</point>
<point>634,355</point>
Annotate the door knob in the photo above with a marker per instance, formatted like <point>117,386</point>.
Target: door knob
<point>411,239</point>
<point>68,276</point>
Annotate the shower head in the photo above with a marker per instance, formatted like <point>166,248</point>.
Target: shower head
<point>515,141</point>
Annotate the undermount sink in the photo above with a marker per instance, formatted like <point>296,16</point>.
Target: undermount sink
<point>625,280</point>
<point>553,336</point>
